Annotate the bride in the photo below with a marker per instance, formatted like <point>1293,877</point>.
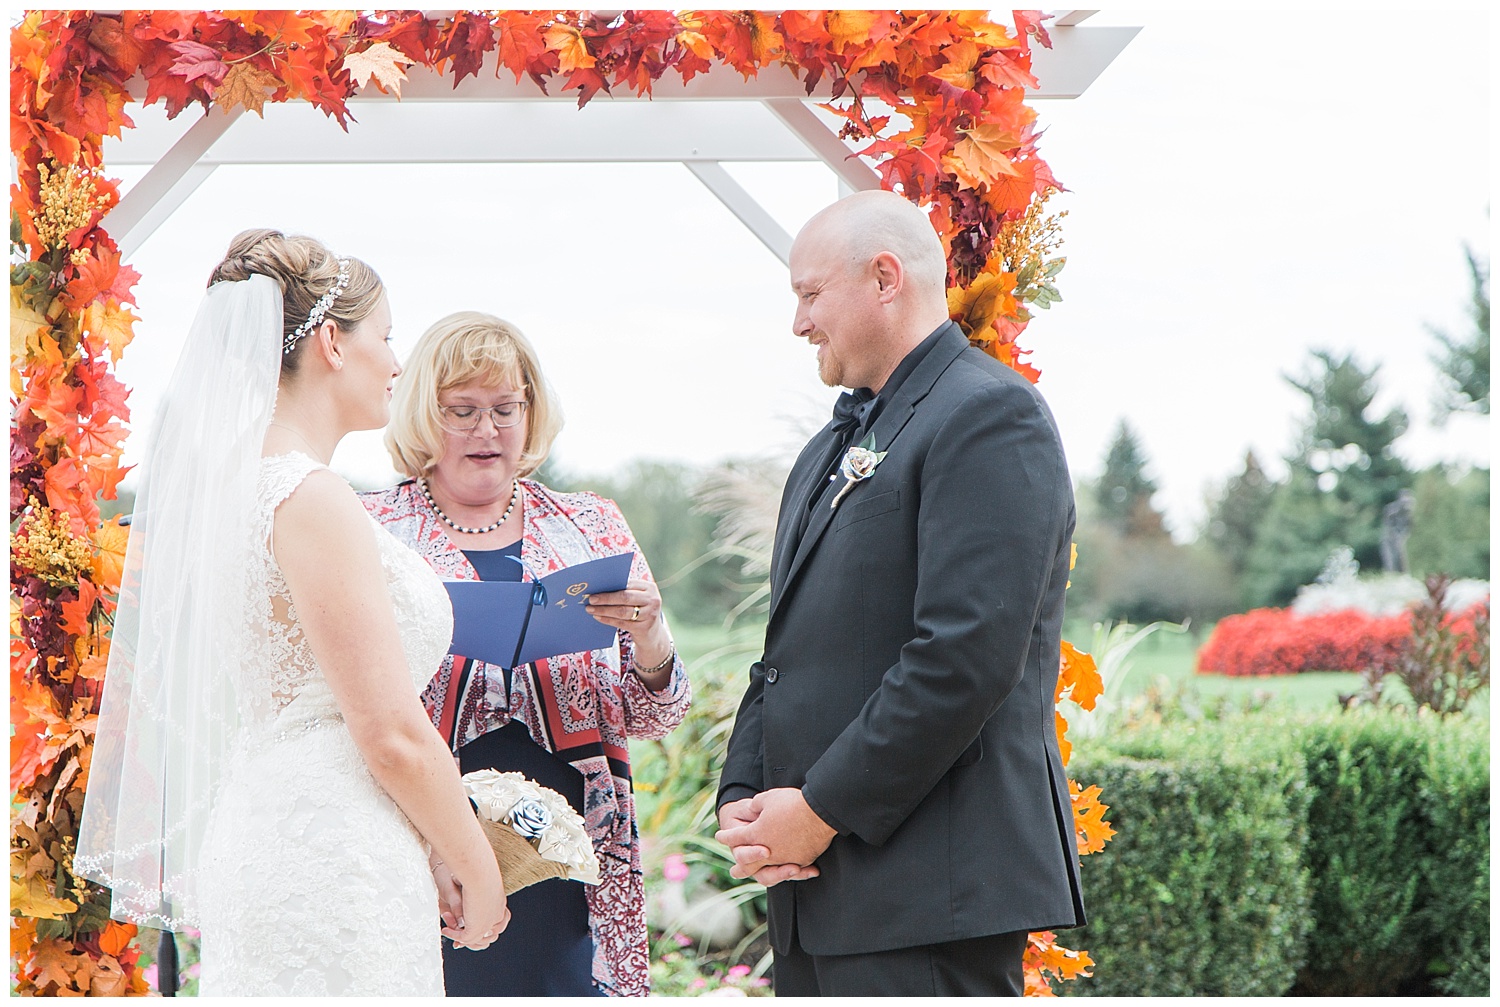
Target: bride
<point>264,769</point>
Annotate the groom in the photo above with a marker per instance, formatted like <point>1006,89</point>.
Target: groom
<point>894,760</point>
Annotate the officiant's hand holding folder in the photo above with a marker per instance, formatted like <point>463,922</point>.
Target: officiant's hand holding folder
<point>508,623</point>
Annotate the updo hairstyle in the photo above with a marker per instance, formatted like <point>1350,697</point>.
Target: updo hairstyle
<point>305,270</point>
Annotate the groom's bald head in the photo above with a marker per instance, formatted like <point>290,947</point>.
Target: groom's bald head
<point>862,226</point>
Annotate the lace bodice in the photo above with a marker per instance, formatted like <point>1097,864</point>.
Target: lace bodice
<point>316,883</point>
<point>281,682</point>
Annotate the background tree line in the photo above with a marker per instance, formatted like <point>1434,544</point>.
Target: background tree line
<point>1264,538</point>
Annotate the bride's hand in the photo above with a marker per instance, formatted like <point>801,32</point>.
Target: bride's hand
<point>450,896</point>
<point>482,915</point>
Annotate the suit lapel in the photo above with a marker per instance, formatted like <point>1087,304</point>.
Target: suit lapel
<point>801,485</point>
<point>892,420</point>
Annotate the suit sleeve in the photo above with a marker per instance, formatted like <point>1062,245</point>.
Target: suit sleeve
<point>993,502</point>
<point>743,774</point>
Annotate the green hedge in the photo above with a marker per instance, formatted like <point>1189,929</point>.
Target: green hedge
<point>1456,801</point>
<point>1202,891</point>
<point>1339,855</point>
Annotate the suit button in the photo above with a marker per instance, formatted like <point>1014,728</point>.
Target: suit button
<point>772,675</point>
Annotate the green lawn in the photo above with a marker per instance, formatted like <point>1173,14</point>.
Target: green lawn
<point>1163,660</point>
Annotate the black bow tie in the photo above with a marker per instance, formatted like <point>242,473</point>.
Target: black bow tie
<point>852,410</point>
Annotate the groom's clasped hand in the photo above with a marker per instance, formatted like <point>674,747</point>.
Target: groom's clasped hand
<point>774,836</point>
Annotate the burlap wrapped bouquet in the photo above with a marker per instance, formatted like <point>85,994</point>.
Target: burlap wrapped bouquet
<point>535,832</point>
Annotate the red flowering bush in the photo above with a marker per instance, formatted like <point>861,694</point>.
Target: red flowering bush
<point>1277,641</point>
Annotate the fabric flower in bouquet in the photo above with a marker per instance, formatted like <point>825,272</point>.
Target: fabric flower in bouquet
<point>535,832</point>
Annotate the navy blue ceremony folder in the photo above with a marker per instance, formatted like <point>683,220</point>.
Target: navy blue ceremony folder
<point>508,624</point>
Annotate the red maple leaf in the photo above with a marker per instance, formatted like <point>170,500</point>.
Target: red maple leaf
<point>468,39</point>
<point>196,60</point>
<point>101,275</point>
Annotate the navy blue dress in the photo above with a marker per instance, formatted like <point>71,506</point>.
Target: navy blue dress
<point>547,949</point>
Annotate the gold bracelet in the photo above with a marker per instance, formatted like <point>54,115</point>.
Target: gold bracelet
<point>671,656</point>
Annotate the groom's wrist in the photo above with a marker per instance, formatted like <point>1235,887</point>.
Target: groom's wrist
<point>823,813</point>
<point>735,792</point>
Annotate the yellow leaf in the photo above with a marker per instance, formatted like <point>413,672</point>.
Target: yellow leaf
<point>984,153</point>
<point>110,538</point>
<point>567,42</point>
<point>961,58</point>
<point>25,323</point>
<point>696,43</point>
<point>108,324</point>
<point>246,85</point>
<point>851,27</point>
<point>381,62</point>
<point>29,895</point>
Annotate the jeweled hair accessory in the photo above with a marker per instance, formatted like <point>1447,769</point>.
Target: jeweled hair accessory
<point>315,316</point>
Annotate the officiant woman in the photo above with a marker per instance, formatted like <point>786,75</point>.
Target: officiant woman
<point>471,421</point>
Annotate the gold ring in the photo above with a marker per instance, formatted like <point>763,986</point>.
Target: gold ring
<point>636,615</point>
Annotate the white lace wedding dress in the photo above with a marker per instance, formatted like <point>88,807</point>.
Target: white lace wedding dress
<point>315,883</point>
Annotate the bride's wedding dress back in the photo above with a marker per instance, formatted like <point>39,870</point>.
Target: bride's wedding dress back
<point>314,881</point>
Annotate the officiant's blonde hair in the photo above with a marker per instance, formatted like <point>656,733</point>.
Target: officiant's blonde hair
<point>457,349</point>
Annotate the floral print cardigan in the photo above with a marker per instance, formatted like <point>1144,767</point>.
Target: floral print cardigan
<point>581,706</point>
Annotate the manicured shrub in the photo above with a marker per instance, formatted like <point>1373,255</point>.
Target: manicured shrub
<point>1345,854</point>
<point>1456,875</point>
<point>1202,891</point>
<point>1367,843</point>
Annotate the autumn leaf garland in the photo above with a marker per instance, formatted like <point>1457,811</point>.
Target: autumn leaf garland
<point>936,97</point>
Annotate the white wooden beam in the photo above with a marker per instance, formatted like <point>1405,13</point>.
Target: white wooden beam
<point>170,181</point>
<point>1077,57</point>
<point>744,206</point>
<point>824,142</point>
<point>481,132</point>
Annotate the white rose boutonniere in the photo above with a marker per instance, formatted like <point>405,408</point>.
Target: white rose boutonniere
<point>858,465</point>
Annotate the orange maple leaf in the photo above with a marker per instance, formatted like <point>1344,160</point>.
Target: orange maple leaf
<point>976,307</point>
<point>572,52</point>
<point>76,613</point>
<point>248,85</point>
<point>110,538</point>
<point>116,937</point>
<point>1088,819</point>
<point>1079,674</point>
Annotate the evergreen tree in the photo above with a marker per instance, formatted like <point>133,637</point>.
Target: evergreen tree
<point>1451,523</point>
<point>1124,491</point>
<point>1237,513</point>
<point>1343,474</point>
<point>1464,363</point>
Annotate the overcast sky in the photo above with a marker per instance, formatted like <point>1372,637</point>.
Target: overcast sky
<point>1242,189</point>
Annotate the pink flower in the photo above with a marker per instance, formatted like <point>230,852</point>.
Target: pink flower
<point>698,984</point>
<point>149,974</point>
<point>683,940</point>
<point>675,868</point>
<point>738,971</point>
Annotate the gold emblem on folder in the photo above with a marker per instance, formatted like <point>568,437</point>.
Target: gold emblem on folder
<point>578,589</point>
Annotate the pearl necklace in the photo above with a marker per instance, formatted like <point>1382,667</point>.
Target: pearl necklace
<point>515,495</point>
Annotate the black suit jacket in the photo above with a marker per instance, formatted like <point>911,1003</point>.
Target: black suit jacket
<point>910,663</point>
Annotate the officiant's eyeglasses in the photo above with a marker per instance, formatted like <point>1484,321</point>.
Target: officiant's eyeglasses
<point>465,419</point>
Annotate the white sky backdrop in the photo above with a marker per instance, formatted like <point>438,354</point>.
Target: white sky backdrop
<point>1242,189</point>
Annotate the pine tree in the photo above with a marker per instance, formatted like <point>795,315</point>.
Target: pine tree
<point>1236,515</point>
<point>1464,364</point>
<point>1342,475</point>
<point>1124,491</point>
